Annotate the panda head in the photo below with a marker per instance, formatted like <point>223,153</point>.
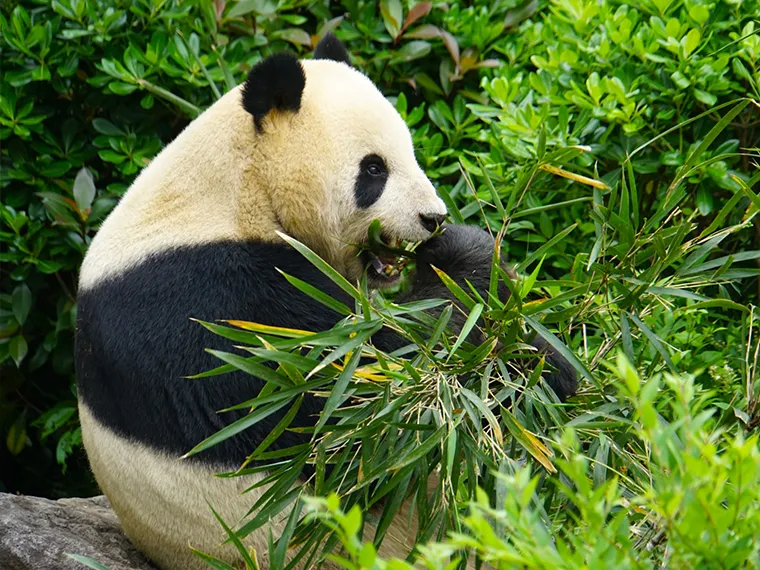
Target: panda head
<point>333,154</point>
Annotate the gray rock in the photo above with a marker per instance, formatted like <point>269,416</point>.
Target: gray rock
<point>36,534</point>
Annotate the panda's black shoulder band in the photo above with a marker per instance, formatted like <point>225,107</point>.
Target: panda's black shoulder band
<point>275,83</point>
<point>330,47</point>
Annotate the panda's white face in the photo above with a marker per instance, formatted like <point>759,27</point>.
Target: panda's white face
<point>348,159</point>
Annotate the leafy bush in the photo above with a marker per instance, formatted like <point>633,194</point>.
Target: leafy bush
<point>606,142</point>
<point>678,519</point>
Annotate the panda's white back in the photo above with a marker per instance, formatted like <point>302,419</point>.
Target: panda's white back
<point>184,197</point>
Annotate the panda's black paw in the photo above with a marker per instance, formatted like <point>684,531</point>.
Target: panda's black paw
<point>562,377</point>
<point>461,251</point>
<point>466,253</point>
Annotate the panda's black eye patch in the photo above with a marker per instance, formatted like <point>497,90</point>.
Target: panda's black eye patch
<point>370,182</point>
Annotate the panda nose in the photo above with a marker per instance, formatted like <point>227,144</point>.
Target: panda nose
<point>431,221</point>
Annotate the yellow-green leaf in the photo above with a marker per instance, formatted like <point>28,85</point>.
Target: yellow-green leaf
<point>574,177</point>
<point>690,42</point>
<point>267,329</point>
<point>528,441</point>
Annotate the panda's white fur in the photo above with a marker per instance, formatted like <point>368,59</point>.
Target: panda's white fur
<point>221,180</point>
<point>163,503</point>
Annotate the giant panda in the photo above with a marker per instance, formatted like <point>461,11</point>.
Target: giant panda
<point>309,148</point>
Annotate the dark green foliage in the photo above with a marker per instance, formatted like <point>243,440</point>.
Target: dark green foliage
<point>91,90</point>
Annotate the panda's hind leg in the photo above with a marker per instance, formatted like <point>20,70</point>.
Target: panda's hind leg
<point>163,502</point>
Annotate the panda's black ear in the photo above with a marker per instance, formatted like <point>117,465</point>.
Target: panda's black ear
<point>275,83</point>
<point>330,47</point>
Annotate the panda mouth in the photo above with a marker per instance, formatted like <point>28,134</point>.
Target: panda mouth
<point>384,256</point>
<point>386,261</point>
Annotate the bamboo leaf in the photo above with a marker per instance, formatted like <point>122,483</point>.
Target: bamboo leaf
<point>625,330</point>
<point>451,207</point>
<point>264,515</point>
<point>440,326</point>
<point>283,541</point>
<point>230,333</point>
<point>455,289</point>
<point>89,562</point>
<point>420,451</point>
<point>224,369</point>
<point>279,395</point>
<point>338,391</point>
<point>494,193</point>
<point>236,427</point>
<point>468,326</point>
<point>322,265</point>
<point>722,303</point>
<point>559,346</point>
<point>754,198</point>
<point>281,426</point>
<point>528,441</point>
<point>727,208</point>
<point>680,126</point>
<point>399,485</point>
<point>542,251</point>
<point>252,367</point>
<point>487,414</point>
<point>344,349</point>
<point>527,285</point>
<point>286,358</point>
<point>600,461</point>
<point>720,261</point>
<point>574,177</point>
<point>266,329</point>
<point>552,206</point>
<point>213,562</point>
<point>317,295</point>
<point>708,140</point>
<point>654,339</point>
<point>232,537</point>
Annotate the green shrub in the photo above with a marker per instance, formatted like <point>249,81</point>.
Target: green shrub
<point>700,509</point>
<point>497,95</point>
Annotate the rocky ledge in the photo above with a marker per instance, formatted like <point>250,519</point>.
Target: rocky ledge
<point>37,534</point>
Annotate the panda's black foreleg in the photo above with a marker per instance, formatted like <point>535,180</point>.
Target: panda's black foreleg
<point>465,253</point>
<point>563,379</point>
